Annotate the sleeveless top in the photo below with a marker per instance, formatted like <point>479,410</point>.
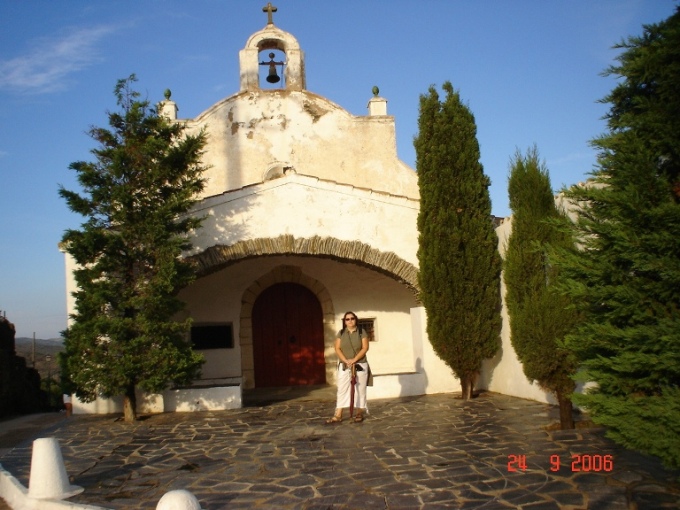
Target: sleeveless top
<point>350,343</point>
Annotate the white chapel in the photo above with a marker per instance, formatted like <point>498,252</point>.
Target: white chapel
<point>309,214</point>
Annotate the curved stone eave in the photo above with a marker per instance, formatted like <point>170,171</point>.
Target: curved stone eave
<point>282,92</point>
<point>273,33</point>
<point>220,256</point>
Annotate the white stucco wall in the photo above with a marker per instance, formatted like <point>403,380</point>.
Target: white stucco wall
<point>438,377</point>
<point>304,207</point>
<point>504,373</point>
<point>172,400</point>
<point>70,266</point>
<point>253,132</point>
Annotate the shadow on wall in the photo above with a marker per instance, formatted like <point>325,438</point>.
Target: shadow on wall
<point>414,383</point>
<point>489,367</point>
<point>511,379</point>
<point>225,221</point>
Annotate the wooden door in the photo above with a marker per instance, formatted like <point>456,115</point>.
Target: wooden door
<point>288,345</point>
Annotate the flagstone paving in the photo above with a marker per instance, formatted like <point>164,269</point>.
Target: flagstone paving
<point>427,452</point>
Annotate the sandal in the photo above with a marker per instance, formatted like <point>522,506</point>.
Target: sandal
<point>334,420</point>
<point>359,418</point>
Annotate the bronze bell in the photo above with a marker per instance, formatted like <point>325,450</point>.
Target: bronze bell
<point>273,77</point>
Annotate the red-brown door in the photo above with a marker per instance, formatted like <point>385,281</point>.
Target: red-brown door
<point>288,337</point>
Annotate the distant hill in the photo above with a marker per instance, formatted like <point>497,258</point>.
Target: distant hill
<point>43,348</point>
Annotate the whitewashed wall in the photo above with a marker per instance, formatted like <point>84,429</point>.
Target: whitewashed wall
<point>305,207</point>
<point>256,134</point>
<point>503,373</point>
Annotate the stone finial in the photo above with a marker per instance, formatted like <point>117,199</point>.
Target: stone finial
<point>377,105</point>
<point>168,108</point>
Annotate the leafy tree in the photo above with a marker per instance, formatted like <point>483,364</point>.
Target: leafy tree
<point>459,261</point>
<point>540,316</point>
<point>136,196</point>
<point>626,280</point>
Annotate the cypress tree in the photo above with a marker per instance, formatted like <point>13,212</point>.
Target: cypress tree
<point>626,279</point>
<point>540,316</point>
<point>135,198</point>
<point>458,256</point>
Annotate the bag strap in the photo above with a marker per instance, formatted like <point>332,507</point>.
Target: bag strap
<point>359,330</point>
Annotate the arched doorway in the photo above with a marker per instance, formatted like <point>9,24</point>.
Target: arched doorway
<point>288,337</point>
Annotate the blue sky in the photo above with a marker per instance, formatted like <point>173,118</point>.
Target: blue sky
<point>530,71</point>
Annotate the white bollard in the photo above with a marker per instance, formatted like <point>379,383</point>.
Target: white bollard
<point>178,500</point>
<point>48,479</point>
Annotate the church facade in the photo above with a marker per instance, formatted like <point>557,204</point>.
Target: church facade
<point>309,213</point>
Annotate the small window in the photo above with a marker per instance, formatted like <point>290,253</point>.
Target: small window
<point>369,326</point>
<point>212,336</point>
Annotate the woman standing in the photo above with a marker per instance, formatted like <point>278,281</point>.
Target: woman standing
<point>351,346</point>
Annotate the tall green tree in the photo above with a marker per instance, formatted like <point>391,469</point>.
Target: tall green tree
<point>458,248</point>
<point>135,198</point>
<point>540,316</point>
<point>626,279</point>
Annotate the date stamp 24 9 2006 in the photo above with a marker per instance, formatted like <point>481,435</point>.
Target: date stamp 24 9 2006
<point>584,462</point>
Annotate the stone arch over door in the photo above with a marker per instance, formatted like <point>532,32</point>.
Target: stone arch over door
<point>283,274</point>
<point>388,263</point>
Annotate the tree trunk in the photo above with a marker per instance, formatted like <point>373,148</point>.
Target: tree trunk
<point>467,384</point>
<point>566,411</point>
<point>130,405</point>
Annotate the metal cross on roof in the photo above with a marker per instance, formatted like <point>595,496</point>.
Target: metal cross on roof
<point>269,9</point>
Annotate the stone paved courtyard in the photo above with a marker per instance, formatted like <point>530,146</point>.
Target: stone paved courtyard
<point>424,452</point>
